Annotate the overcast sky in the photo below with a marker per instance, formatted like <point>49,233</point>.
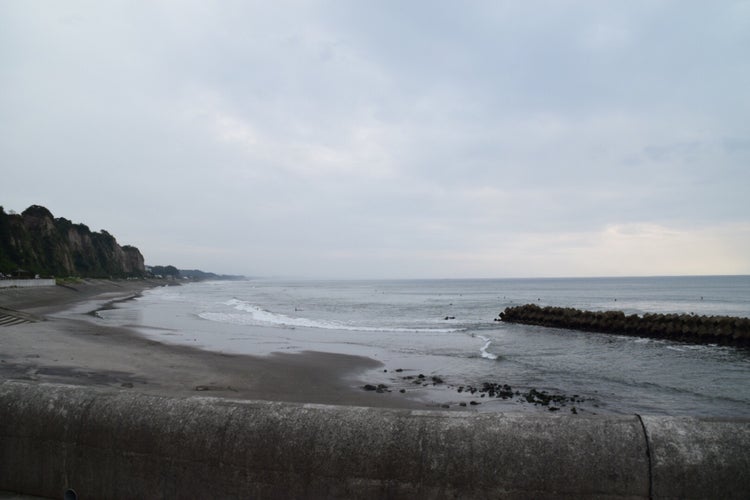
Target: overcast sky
<point>387,139</point>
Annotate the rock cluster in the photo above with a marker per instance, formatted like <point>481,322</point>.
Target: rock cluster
<point>380,388</point>
<point>553,402</point>
<point>682,327</point>
<point>503,391</point>
<point>533,396</point>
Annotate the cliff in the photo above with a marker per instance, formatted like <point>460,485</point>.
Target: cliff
<point>39,243</point>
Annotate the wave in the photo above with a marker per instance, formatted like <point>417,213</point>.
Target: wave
<point>483,350</point>
<point>253,315</point>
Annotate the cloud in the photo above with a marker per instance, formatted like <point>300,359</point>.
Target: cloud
<point>420,138</point>
<point>635,249</point>
<point>616,250</point>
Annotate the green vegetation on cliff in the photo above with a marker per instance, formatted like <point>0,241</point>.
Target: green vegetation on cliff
<point>38,243</point>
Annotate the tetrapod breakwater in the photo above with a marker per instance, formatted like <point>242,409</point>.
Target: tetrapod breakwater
<point>727,330</point>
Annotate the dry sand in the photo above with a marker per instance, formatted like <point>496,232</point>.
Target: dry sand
<point>53,345</point>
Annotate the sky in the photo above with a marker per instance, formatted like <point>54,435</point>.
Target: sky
<point>388,139</point>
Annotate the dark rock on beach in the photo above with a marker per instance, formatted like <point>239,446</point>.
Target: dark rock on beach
<point>380,388</point>
<point>489,390</point>
<point>532,396</point>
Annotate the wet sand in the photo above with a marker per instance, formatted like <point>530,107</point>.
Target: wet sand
<point>48,343</point>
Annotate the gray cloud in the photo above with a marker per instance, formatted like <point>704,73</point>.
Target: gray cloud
<point>388,139</point>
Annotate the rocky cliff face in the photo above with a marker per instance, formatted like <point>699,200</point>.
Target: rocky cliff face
<point>39,243</point>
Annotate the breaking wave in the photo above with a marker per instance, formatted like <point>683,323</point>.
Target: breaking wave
<point>250,314</point>
<point>483,350</point>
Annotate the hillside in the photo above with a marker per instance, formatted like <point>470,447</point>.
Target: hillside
<point>38,243</point>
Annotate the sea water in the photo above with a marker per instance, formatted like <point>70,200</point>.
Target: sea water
<point>446,329</point>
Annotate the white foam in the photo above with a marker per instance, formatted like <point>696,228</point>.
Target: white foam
<point>253,315</point>
<point>483,350</point>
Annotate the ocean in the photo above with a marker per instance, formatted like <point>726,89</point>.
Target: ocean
<point>445,329</point>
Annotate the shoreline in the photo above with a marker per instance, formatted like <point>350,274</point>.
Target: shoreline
<point>56,343</point>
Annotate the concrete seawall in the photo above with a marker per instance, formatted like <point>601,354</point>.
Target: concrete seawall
<point>121,444</point>
<point>31,283</point>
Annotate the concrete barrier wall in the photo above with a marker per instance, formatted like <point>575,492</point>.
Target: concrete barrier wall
<point>120,444</point>
<point>26,283</point>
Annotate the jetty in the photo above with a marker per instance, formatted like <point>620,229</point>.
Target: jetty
<point>725,330</point>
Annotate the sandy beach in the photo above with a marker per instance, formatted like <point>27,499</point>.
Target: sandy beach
<point>56,340</point>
